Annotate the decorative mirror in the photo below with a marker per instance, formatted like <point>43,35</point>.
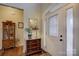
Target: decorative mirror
<point>33,25</point>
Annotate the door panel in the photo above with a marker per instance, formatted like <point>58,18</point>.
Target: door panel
<point>57,45</point>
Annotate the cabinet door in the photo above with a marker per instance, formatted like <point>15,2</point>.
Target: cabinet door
<point>5,31</point>
<point>8,35</point>
<point>12,31</point>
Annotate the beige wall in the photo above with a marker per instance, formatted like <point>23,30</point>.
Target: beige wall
<point>31,10</point>
<point>14,15</point>
<point>76,28</point>
<point>44,6</point>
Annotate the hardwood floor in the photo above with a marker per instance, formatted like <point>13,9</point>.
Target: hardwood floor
<point>18,51</point>
<point>42,53</point>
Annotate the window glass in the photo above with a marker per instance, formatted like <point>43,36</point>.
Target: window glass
<point>53,28</point>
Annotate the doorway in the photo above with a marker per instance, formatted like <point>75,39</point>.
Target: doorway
<point>62,44</point>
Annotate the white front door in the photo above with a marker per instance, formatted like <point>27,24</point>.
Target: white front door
<point>63,43</point>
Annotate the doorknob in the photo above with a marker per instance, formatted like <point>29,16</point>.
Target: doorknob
<point>61,39</point>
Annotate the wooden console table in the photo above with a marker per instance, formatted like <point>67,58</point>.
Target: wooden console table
<point>33,46</point>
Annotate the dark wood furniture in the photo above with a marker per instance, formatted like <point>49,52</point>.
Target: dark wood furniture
<point>8,42</point>
<point>33,46</point>
<point>8,35</point>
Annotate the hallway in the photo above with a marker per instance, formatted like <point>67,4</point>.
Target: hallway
<point>39,29</point>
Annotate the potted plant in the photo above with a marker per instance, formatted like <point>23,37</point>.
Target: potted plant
<point>29,32</point>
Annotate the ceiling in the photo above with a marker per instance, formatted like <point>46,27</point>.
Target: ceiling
<point>21,5</point>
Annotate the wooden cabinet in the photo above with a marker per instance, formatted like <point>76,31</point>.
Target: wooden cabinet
<point>8,35</point>
<point>33,46</point>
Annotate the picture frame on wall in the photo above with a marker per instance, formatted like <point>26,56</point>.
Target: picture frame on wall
<point>20,24</point>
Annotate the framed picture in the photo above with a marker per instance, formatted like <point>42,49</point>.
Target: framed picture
<point>20,24</point>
